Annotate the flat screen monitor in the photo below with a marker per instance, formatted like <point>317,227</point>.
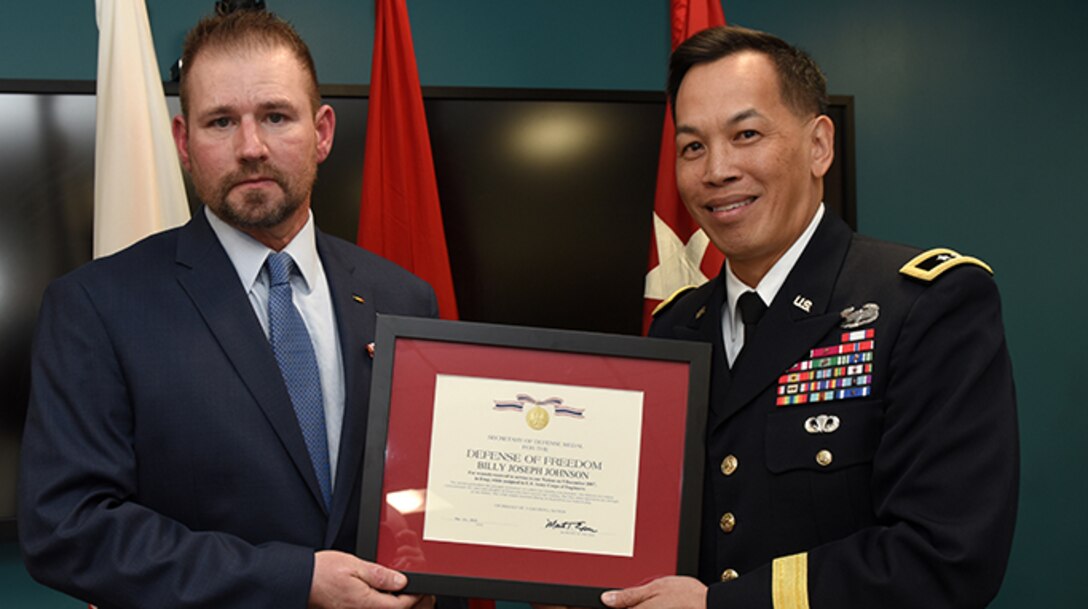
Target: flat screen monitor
<point>546,198</point>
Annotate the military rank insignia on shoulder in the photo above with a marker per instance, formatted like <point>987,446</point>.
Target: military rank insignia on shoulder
<point>930,264</point>
<point>668,302</point>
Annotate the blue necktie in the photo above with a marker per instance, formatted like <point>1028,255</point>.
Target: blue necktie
<point>295,355</point>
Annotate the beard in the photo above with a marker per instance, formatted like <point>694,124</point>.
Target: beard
<point>256,209</point>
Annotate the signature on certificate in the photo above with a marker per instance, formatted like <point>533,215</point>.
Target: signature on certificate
<point>569,525</point>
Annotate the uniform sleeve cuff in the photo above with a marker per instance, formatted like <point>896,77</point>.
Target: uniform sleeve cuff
<point>789,582</point>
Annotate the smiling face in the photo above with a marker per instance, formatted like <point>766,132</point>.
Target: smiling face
<point>252,140</point>
<point>749,168</point>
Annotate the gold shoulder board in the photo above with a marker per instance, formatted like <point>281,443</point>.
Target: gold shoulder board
<point>930,264</point>
<point>668,301</point>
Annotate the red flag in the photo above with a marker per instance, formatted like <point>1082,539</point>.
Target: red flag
<point>680,253</point>
<point>400,217</point>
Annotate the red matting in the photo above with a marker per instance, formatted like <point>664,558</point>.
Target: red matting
<point>665,393</point>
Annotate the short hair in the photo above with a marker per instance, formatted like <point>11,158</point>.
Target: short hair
<point>244,30</point>
<point>801,83</point>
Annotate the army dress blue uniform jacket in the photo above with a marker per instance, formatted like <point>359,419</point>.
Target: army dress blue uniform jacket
<point>162,462</point>
<point>873,465</point>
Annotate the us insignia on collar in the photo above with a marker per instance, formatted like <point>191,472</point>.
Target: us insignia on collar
<point>856,318</point>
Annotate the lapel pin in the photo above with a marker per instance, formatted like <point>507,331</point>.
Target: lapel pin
<point>802,303</point>
<point>855,318</point>
<point>370,350</point>
<point>358,299</point>
<point>700,312</point>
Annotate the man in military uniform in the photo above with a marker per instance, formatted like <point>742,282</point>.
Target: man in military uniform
<point>861,445</point>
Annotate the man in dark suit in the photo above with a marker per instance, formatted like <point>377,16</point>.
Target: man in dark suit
<point>196,425</point>
<point>861,445</point>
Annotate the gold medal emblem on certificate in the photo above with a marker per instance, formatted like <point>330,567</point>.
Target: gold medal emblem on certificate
<point>537,418</point>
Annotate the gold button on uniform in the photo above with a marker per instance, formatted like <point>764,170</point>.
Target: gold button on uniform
<point>824,458</point>
<point>727,522</point>
<point>729,465</point>
<point>729,575</point>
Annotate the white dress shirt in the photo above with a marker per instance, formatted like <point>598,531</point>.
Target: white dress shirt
<point>312,298</point>
<point>732,326</point>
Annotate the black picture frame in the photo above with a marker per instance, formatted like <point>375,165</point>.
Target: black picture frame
<point>527,342</point>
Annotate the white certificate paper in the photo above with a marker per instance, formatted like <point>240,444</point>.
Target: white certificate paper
<point>534,465</point>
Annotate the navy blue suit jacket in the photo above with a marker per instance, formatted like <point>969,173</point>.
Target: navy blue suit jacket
<point>162,463</point>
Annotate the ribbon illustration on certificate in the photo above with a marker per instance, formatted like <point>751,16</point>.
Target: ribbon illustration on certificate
<point>534,465</point>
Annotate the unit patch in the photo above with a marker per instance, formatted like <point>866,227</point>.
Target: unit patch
<point>838,372</point>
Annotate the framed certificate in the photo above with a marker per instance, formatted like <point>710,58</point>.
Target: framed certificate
<point>529,464</point>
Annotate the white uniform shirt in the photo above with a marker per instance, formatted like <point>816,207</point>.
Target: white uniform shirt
<point>732,326</point>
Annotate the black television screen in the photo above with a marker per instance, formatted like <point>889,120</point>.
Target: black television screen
<point>546,197</point>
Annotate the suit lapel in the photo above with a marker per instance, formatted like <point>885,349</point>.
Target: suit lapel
<point>355,319</point>
<point>787,331</point>
<point>208,277</point>
<point>705,326</point>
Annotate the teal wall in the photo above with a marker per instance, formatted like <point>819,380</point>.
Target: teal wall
<point>601,44</point>
<point>970,130</point>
